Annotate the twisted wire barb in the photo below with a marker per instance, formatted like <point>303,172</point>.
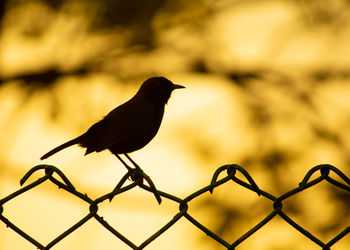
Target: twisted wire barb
<point>231,170</point>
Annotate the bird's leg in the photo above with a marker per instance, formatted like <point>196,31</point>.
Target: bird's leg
<point>137,171</point>
<point>122,161</point>
<point>146,177</point>
<point>134,173</point>
<point>132,161</point>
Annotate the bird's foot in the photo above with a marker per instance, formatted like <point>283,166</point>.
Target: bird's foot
<point>137,175</point>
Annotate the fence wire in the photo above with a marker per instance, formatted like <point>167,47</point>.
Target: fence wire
<point>231,170</point>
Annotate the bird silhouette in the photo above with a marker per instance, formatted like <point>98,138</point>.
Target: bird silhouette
<point>130,126</point>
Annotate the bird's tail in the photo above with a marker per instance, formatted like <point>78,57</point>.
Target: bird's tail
<point>63,146</point>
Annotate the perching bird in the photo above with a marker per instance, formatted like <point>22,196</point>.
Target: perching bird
<point>129,126</point>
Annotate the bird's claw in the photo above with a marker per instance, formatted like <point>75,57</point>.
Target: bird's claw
<point>137,175</point>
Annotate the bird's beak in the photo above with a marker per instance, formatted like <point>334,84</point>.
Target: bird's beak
<point>177,86</point>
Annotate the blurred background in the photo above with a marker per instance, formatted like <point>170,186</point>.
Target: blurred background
<point>267,87</point>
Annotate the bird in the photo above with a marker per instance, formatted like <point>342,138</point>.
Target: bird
<point>130,126</point>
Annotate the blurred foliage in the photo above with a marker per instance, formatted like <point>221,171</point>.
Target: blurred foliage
<point>281,96</point>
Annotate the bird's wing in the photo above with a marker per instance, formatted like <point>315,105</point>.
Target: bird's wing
<point>125,125</point>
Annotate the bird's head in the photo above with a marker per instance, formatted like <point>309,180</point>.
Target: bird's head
<point>158,89</point>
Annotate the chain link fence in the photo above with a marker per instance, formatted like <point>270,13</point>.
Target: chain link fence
<point>137,180</point>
